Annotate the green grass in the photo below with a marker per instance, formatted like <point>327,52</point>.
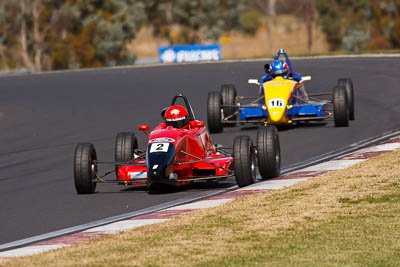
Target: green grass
<point>363,239</point>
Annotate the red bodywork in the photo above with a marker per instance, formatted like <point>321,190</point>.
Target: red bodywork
<point>195,140</point>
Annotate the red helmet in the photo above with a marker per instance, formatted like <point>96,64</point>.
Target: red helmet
<point>177,116</point>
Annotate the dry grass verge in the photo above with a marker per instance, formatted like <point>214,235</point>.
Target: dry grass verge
<point>346,217</point>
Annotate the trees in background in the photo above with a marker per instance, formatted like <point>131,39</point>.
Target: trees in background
<point>3,39</point>
<point>385,30</point>
<point>360,24</point>
<point>250,22</point>
<point>91,33</point>
<point>344,22</point>
<point>304,9</point>
<point>267,7</point>
<point>24,30</point>
<point>48,34</point>
<point>188,21</point>
<point>352,25</point>
<point>45,34</point>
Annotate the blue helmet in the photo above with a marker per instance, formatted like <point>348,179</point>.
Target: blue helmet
<point>279,68</point>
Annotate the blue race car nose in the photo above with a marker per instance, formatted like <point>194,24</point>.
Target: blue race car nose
<point>159,163</point>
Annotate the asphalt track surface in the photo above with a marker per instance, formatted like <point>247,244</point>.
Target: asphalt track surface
<point>43,117</point>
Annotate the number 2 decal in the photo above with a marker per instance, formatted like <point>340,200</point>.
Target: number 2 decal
<point>159,147</point>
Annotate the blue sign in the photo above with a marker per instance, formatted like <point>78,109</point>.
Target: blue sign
<point>189,53</point>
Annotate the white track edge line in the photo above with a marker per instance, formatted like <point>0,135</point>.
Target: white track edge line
<point>128,67</point>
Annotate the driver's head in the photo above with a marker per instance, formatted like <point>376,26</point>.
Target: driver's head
<point>176,116</point>
<point>279,68</point>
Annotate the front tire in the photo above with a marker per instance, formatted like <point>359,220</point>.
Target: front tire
<point>125,145</point>
<point>340,107</point>
<point>348,84</point>
<point>214,116</point>
<point>244,160</point>
<point>228,93</point>
<point>84,168</point>
<point>268,152</point>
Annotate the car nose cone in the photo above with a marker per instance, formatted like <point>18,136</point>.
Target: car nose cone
<point>276,116</point>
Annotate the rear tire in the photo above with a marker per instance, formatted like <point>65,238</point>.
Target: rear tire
<point>268,152</point>
<point>348,84</point>
<point>84,168</point>
<point>125,145</point>
<point>244,160</point>
<point>228,93</point>
<point>214,116</point>
<point>340,107</point>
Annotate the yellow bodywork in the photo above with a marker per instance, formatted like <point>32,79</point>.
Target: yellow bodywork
<point>277,94</point>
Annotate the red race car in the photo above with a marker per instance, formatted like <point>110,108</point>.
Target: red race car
<point>179,152</point>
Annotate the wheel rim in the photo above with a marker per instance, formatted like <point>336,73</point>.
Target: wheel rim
<point>253,163</point>
<point>277,158</point>
<point>278,153</point>
<point>94,170</point>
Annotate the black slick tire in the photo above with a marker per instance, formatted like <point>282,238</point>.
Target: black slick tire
<point>244,160</point>
<point>348,84</point>
<point>214,115</point>
<point>85,168</point>
<point>228,93</point>
<point>268,152</point>
<point>125,145</point>
<point>340,107</point>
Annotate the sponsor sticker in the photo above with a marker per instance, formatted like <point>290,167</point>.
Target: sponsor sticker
<point>276,84</point>
<point>175,111</point>
<point>161,140</point>
<point>136,175</point>
<point>159,147</point>
<point>176,119</point>
<point>189,53</point>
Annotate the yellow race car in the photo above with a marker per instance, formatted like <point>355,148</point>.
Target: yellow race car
<point>282,100</point>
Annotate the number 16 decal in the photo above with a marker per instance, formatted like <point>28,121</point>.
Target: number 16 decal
<point>276,103</point>
<point>159,147</point>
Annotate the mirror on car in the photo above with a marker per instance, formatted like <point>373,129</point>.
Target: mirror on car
<point>306,78</point>
<point>144,127</point>
<point>197,123</point>
<point>253,81</point>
